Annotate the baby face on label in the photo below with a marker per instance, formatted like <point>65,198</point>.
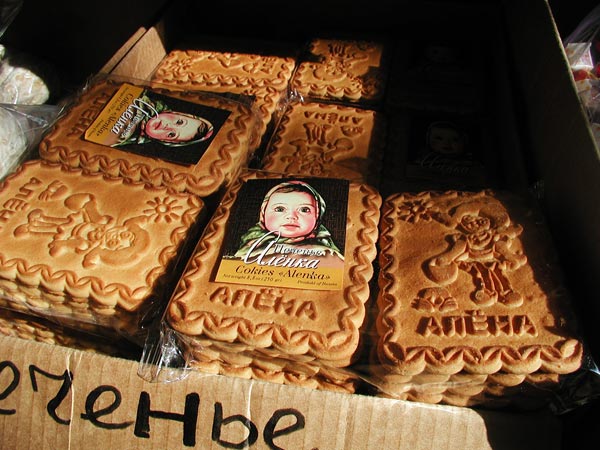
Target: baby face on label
<point>293,214</point>
<point>170,126</point>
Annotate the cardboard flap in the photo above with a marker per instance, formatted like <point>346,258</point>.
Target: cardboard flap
<point>53,397</point>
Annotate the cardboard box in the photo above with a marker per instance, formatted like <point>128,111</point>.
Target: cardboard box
<point>53,397</point>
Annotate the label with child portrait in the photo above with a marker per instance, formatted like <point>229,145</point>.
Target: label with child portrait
<point>139,120</point>
<point>287,232</point>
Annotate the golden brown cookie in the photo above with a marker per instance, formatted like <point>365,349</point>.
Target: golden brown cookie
<point>304,322</point>
<point>469,283</point>
<point>263,77</point>
<point>90,247</point>
<point>227,153</point>
<point>328,140</point>
<point>342,70</point>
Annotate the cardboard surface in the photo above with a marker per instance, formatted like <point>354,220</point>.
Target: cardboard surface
<point>53,397</point>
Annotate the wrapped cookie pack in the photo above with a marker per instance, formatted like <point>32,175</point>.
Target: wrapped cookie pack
<point>263,77</point>
<point>279,285</point>
<point>92,252</point>
<point>347,71</point>
<point>101,226</point>
<point>191,142</point>
<point>472,307</point>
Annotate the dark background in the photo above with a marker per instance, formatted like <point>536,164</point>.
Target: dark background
<point>77,37</point>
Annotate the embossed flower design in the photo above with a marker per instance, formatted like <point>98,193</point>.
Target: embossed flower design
<point>416,209</point>
<point>182,66</point>
<point>163,209</point>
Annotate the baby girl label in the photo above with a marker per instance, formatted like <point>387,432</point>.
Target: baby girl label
<point>142,121</point>
<point>287,233</point>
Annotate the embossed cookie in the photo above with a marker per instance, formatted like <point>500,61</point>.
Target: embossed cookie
<point>342,70</point>
<point>277,297</point>
<point>265,77</point>
<point>469,283</point>
<point>467,389</point>
<point>88,247</point>
<point>202,169</point>
<point>215,358</point>
<point>319,139</point>
<point>32,328</point>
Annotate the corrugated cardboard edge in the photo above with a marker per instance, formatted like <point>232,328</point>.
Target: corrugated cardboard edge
<point>43,408</point>
<point>142,58</point>
<point>123,50</point>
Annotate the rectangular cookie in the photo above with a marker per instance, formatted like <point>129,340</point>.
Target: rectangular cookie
<point>209,165</point>
<point>469,283</point>
<point>328,140</point>
<point>263,77</point>
<point>348,71</point>
<point>91,247</point>
<point>312,321</point>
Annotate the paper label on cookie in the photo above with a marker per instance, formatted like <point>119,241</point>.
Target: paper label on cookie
<point>287,233</point>
<point>142,121</point>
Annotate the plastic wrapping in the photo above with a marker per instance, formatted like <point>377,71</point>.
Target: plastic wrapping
<point>582,47</point>
<point>8,11</point>
<point>24,79</point>
<point>34,328</point>
<point>21,128</point>
<point>92,214</point>
<point>472,337</point>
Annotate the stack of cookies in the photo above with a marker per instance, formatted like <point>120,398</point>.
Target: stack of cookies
<point>471,308</point>
<point>47,331</point>
<point>291,310</point>
<point>92,250</point>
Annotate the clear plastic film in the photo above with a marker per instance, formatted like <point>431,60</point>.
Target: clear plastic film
<point>582,47</point>
<point>21,129</point>
<point>24,79</point>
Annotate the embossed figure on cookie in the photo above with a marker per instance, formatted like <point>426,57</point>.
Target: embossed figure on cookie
<point>99,238</point>
<point>483,247</point>
<point>316,154</point>
<point>434,299</point>
<point>343,70</point>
